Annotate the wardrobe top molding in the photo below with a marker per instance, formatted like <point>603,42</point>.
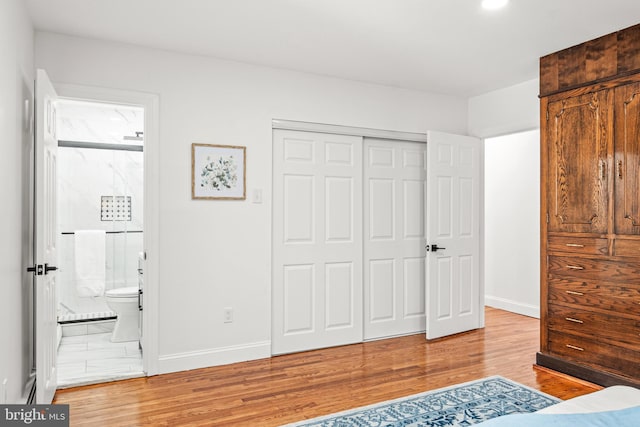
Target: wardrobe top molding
<point>609,57</point>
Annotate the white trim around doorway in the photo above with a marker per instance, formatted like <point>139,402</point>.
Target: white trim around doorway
<point>151,103</point>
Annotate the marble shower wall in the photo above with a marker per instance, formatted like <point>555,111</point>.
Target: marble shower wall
<point>84,176</point>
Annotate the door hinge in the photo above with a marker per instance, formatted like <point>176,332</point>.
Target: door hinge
<point>38,269</point>
<point>547,217</point>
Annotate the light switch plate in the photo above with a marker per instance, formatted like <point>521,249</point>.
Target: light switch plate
<point>257,195</point>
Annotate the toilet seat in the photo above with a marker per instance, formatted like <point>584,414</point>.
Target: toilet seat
<point>128,292</point>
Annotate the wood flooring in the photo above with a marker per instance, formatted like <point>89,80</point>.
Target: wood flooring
<point>283,389</point>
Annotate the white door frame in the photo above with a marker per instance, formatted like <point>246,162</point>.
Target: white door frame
<point>150,102</point>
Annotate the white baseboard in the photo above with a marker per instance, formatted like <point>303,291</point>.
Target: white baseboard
<point>513,306</point>
<point>213,357</point>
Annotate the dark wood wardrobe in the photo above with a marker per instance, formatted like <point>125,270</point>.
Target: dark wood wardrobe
<point>590,209</point>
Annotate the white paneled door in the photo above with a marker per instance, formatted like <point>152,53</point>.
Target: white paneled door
<point>46,149</point>
<point>317,240</point>
<point>394,237</point>
<point>453,300</point>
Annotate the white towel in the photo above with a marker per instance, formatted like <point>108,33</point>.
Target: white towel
<point>90,248</point>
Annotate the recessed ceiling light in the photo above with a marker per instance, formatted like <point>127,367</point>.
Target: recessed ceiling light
<point>494,4</point>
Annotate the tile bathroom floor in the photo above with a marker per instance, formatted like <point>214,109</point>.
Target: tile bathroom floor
<point>93,358</point>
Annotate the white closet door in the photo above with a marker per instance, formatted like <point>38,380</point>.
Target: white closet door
<point>317,240</point>
<point>394,237</point>
<point>454,303</point>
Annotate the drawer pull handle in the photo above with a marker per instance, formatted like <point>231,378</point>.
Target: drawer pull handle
<point>574,347</point>
<point>574,245</point>
<point>574,267</point>
<point>571,319</point>
<point>577,293</point>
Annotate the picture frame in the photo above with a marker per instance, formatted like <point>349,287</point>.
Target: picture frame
<point>218,172</point>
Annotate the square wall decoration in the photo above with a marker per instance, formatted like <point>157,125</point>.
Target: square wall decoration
<point>218,172</point>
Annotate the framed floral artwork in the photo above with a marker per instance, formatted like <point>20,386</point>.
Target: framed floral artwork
<point>218,172</point>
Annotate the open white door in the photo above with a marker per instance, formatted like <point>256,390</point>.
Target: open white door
<point>453,302</point>
<point>46,150</point>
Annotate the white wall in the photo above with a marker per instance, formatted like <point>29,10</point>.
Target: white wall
<point>509,177</point>
<point>512,218</point>
<point>504,111</point>
<point>217,254</point>
<point>16,85</point>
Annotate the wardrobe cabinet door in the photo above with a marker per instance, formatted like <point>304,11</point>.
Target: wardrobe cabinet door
<point>627,159</point>
<point>578,136</point>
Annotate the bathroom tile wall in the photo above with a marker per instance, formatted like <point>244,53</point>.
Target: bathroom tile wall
<point>84,176</point>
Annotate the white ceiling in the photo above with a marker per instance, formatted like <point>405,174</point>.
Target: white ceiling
<point>444,46</point>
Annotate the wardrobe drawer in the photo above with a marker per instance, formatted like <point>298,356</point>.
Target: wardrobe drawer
<point>618,298</point>
<point>593,353</point>
<point>581,245</point>
<point>622,331</point>
<point>593,268</point>
<point>626,248</point>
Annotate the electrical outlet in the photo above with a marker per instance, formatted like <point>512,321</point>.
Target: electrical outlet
<point>228,315</point>
<point>3,391</point>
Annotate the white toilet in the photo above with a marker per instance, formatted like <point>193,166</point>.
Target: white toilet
<point>124,301</point>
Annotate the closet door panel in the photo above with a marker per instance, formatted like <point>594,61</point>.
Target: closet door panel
<point>394,237</point>
<point>627,160</point>
<point>317,240</point>
<point>578,134</point>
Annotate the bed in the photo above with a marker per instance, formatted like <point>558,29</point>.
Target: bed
<point>608,399</point>
<point>617,406</point>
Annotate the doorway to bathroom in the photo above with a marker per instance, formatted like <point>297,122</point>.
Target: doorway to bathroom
<point>100,242</point>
